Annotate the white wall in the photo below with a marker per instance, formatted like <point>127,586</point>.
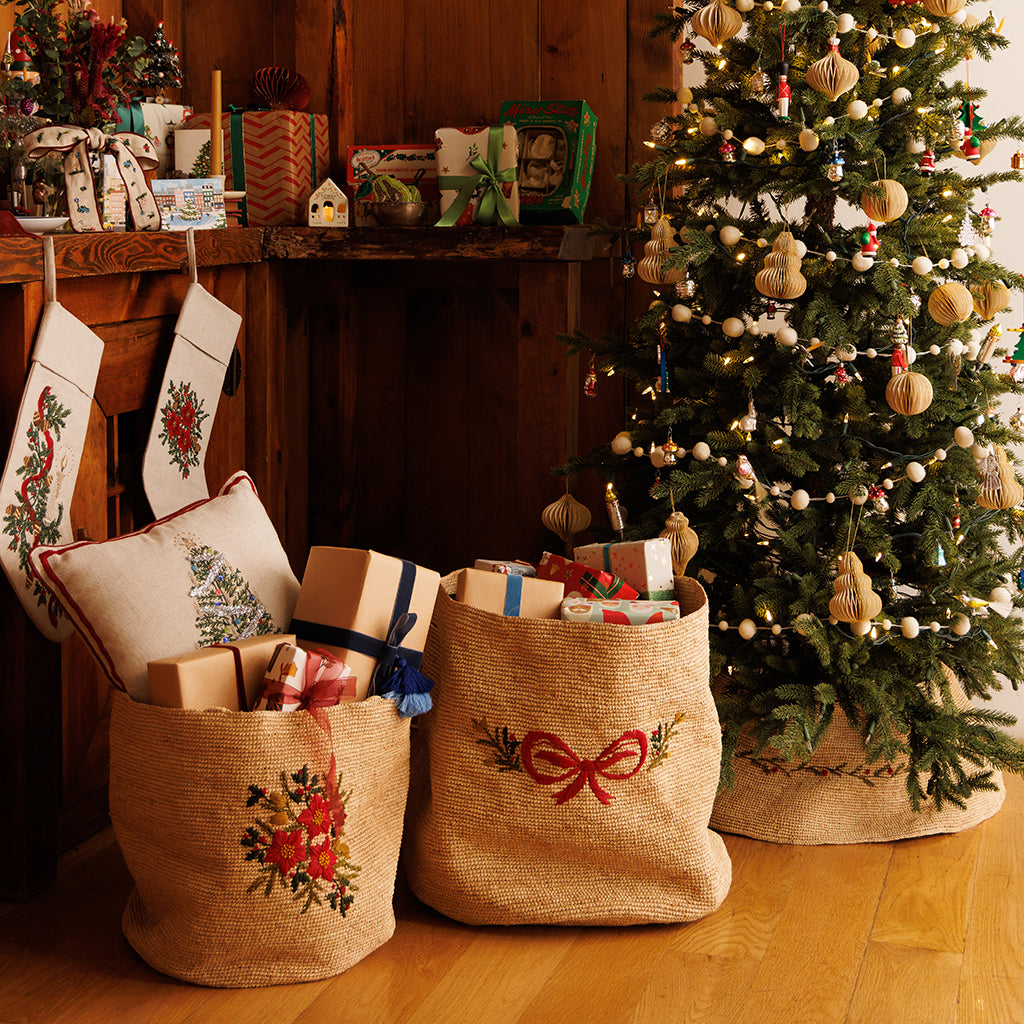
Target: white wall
<point>1001,78</point>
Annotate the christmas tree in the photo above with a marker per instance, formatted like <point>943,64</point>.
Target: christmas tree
<point>163,69</point>
<point>227,608</point>
<point>811,391</point>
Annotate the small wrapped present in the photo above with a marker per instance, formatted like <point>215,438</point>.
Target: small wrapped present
<point>370,610</point>
<point>644,564</point>
<point>412,163</point>
<point>284,157</point>
<point>514,568</point>
<point>297,679</point>
<point>476,173</point>
<point>222,676</point>
<point>157,122</point>
<point>509,594</point>
<point>626,613</point>
<point>580,580</point>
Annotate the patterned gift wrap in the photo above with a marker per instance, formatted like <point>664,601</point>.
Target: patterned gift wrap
<point>582,581</point>
<point>644,564</point>
<point>476,173</point>
<point>514,568</point>
<point>285,159</point>
<point>626,613</point>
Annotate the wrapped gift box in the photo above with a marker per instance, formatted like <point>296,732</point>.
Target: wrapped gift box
<point>353,603</point>
<point>284,158</point>
<point>412,163</point>
<point>297,678</point>
<point>514,568</point>
<point>556,158</point>
<point>644,564</point>
<point>579,580</point>
<point>626,613</point>
<point>508,594</point>
<point>157,121</point>
<point>464,200</point>
<point>210,677</point>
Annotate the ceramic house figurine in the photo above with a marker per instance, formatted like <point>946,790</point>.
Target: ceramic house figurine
<point>328,207</point>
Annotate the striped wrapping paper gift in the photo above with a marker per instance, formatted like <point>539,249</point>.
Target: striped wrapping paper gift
<point>286,154</point>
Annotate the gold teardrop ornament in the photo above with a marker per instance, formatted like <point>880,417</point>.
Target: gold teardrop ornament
<point>684,541</point>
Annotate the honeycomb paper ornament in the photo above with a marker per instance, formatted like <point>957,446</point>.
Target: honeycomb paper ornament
<point>716,22</point>
<point>280,88</point>
<point>565,518</point>
<point>781,277</point>
<point>944,8</point>
<point>999,487</point>
<point>888,206</point>
<point>909,393</point>
<point>833,74</point>
<point>990,298</point>
<point>683,540</point>
<point>854,599</point>
<point>950,303</point>
<point>651,266</point>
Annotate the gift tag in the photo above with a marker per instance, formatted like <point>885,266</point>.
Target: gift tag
<point>173,471</point>
<point>46,448</point>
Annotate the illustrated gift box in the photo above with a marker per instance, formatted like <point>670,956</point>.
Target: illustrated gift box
<point>157,121</point>
<point>579,580</point>
<point>284,158</point>
<point>228,675</point>
<point>625,613</point>
<point>644,564</point>
<point>365,608</point>
<point>412,163</point>
<point>476,173</point>
<point>556,139</point>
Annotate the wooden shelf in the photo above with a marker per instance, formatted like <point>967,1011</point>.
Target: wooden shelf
<point>21,259</point>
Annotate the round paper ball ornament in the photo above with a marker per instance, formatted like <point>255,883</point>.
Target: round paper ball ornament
<point>716,22</point>
<point>889,205</point>
<point>280,88</point>
<point>909,393</point>
<point>622,443</point>
<point>950,303</point>
<point>944,8</point>
<point>990,298</point>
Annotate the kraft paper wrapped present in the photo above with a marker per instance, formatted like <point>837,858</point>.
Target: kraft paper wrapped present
<point>580,580</point>
<point>222,676</point>
<point>284,157</point>
<point>625,613</point>
<point>509,594</point>
<point>297,679</point>
<point>370,610</point>
<point>476,173</point>
<point>644,564</point>
<point>514,568</point>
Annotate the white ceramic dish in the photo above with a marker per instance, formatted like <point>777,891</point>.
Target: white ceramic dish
<point>42,225</point>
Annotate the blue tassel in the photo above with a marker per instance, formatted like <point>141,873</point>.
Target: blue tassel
<point>409,689</point>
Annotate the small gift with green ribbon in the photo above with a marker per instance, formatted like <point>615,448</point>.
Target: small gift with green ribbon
<point>476,173</point>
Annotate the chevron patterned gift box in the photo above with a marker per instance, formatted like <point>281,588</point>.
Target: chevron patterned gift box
<point>286,154</point>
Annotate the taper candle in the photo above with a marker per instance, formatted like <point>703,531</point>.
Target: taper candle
<point>216,132</point>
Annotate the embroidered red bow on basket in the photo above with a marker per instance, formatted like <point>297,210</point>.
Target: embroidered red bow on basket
<point>558,763</point>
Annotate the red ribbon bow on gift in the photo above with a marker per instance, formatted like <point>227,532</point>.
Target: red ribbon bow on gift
<point>323,687</point>
<point>546,747</point>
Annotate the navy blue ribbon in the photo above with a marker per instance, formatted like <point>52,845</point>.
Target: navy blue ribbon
<point>513,594</point>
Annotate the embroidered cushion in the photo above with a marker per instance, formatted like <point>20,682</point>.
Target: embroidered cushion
<point>212,571</point>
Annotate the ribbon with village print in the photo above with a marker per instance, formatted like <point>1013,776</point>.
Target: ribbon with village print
<point>133,154</point>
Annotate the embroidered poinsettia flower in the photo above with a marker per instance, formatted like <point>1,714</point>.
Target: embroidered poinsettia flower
<point>286,850</point>
<point>321,862</point>
<point>317,816</point>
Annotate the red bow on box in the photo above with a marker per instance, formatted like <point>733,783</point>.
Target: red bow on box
<point>546,747</point>
<point>323,684</point>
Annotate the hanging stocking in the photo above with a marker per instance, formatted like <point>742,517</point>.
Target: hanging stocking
<point>46,447</point>
<point>204,337</point>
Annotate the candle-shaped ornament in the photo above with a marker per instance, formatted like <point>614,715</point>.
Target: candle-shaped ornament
<point>616,514</point>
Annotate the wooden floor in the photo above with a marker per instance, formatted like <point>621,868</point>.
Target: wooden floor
<point>926,931</point>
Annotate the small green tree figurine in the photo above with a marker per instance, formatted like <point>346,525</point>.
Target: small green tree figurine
<point>163,71</point>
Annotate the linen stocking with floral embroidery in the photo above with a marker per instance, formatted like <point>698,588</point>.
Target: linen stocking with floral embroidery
<point>173,470</point>
<point>46,448</point>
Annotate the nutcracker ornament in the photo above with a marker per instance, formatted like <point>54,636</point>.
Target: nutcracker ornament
<point>783,93</point>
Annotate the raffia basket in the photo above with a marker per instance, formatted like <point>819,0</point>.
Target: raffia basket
<point>245,873</point>
<point>567,771</point>
<point>828,798</point>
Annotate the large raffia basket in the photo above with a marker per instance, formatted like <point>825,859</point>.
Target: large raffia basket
<point>567,771</point>
<point>243,877</point>
<point>828,799</point>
